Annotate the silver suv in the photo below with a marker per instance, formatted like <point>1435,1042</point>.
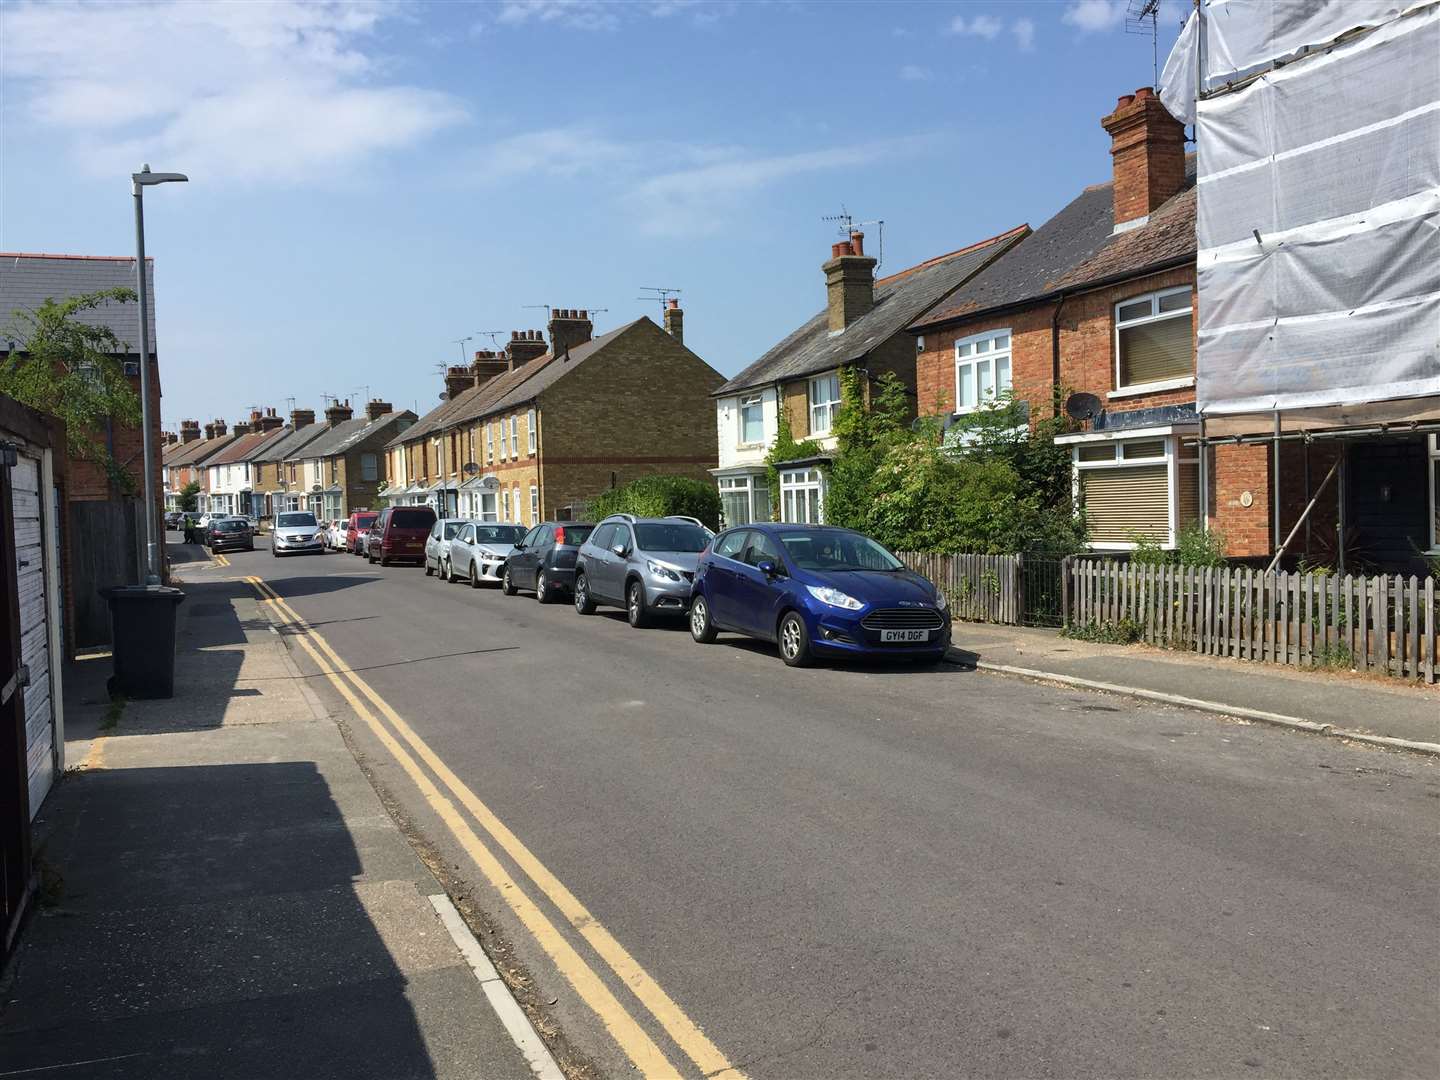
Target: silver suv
<point>645,565</point>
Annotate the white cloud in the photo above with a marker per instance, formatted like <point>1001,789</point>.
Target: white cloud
<point>607,14</point>
<point>289,92</point>
<point>1024,31</point>
<point>1091,16</point>
<point>984,26</point>
<point>916,73</point>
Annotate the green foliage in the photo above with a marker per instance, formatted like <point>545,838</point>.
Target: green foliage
<point>1193,547</point>
<point>69,369</point>
<point>1148,552</point>
<point>661,496</point>
<point>786,448</point>
<point>1124,631</point>
<point>190,496</point>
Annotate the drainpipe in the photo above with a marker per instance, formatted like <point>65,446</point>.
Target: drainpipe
<point>1056,404</point>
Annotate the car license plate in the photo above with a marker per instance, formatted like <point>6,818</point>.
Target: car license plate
<point>904,636</point>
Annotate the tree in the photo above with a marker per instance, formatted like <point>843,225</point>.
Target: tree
<point>190,496</point>
<point>68,368</point>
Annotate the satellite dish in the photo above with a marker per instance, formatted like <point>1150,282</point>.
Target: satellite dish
<point>1083,406</point>
<point>444,395</point>
<point>470,468</point>
<point>490,483</point>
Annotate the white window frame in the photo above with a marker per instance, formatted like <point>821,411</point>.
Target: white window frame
<point>534,504</point>
<point>1173,455</point>
<point>826,407</point>
<point>489,444</point>
<point>755,401</point>
<point>514,437</point>
<point>751,486</point>
<point>795,485</point>
<point>505,504</point>
<point>519,506</point>
<point>530,435</point>
<point>1156,315</point>
<point>969,355</point>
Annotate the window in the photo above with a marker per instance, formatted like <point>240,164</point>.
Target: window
<point>762,549</point>
<point>1154,341</point>
<point>1138,489</point>
<point>487,507</point>
<point>744,499</point>
<point>752,420</point>
<point>514,438</point>
<point>519,506</point>
<point>982,369</point>
<point>732,544</point>
<point>603,537</point>
<point>489,444</point>
<point>530,433</point>
<point>529,539</point>
<point>369,467</point>
<point>824,402</point>
<point>505,503</point>
<point>534,503</point>
<point>802,496</point>
<point>467,534</point>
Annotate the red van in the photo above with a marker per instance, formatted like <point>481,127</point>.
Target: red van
<point>360,522</point>
<point>399,533</point>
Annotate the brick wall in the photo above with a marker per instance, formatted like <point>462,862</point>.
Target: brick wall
<point>1238,470</point>
<point>89,480</point>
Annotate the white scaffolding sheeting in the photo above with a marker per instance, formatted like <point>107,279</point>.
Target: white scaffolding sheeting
<point>1319,209</point>
<point>1242,36</point>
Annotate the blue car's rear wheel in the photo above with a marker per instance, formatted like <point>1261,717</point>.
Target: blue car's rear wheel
<point>794,640</point>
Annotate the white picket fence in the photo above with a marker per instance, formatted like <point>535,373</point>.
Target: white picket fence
<point>981,588</point>
<point>1384,624</point>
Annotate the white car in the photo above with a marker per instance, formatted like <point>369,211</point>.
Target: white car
<point>335,534</point>
<point>297,532</point>
<point>479,550</point>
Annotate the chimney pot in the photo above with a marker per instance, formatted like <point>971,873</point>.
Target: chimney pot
<point>842,248</point>
<point>1143,93</point>
<point>1125,99</point>
<point>375,408</point>
<point>675,321</point>
<point>849,285</point>
<point>857,243</point>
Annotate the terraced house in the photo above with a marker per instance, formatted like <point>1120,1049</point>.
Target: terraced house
<point>277,476</point>
<point>343,468</point>
<point>862,325</point>
<point>230,473</point>
<point>532,432</point>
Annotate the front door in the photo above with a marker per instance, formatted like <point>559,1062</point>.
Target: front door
<point>1389,505</point>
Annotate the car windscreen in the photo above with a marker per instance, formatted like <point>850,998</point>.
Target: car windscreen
<point>412,519</point>
<point>231,526</point>
<point>295,521</point>
<point>498,534</point>
<point>832,550</point>
<point>670,536</point>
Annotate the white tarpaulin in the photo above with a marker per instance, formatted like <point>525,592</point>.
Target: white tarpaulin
<point>1319,209</point>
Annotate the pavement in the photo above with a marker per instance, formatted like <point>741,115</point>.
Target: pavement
<point>1370,704</point>
<point>226,896</point>
<point>874,871</point>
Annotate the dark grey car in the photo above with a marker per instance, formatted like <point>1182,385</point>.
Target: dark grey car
<point>645,565</point>
<point>544,560</point>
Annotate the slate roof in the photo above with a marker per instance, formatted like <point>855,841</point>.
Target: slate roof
<point>1076,247</point>
<point>510,389</point>
<point>26,281</point>
<point>344,435</point>
<point>243,448</point>
<point>200,451</point>
<point>899,299</point>
<point>281,449</point>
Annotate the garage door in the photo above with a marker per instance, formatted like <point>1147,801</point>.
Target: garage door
<point>34,629</point>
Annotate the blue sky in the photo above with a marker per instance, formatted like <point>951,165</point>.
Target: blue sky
<point>372,181</point>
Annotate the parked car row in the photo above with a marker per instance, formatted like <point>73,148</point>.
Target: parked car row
<point>811,590</point>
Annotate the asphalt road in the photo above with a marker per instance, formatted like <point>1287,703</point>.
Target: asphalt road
<point>892,873</point>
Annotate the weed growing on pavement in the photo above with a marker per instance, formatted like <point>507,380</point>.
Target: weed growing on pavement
<point>1124,631</point>
<point>112,712</point>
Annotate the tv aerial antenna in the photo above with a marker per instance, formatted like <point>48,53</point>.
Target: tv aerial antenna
<point>662,294</point>
<point>493,335</point>
<point>1142,17</point>
<point>846,224</point>
<point>460,342</point>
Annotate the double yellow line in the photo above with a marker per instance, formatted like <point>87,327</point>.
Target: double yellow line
<point>220,560</point>
<point>646,1056</point>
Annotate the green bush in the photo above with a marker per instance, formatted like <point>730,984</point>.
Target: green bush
<point>1196,547</point>
<point>661,496</point>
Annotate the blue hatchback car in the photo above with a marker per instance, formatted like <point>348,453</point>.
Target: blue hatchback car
<point>816,590</point>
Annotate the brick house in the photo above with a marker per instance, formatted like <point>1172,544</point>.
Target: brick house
<point>186,462</point>
<point>862,325</point>
<point>1100,301</point>
<point>230,473</point>
<point>531,433</point>
<point>342,469</point>
<point>277,477</point>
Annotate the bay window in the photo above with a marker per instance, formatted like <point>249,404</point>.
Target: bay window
<point>802,496</point>
<point>1155,341</point>
<point>824,402</point>
<point>744,499</point>
<point>982,369</point>
<point>1135,489</point>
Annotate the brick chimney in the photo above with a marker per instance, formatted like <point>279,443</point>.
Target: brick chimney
<point>169,438</point>
<point>675,321</point>
<point>1147,146</point>
<point>271,422</point>
<point>220,429</point>
<point>569,328</point>
<point>458,379</point>
<point>189,430</point>
<point>375,408</point>
<point>241,428</point>
<point>338,413</point>
<point>209,432</point>
<point>849,281</point>
<point>525,345</point>
<point>300,418</point>
<point>488,364</point>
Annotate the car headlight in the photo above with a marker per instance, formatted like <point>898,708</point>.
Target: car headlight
<point>664,573</point>
<point>834,597</point>
<point>940,601</point>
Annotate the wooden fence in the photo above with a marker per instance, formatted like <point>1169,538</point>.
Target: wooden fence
<point>1384,624</point>
<point>107,547</point>
<point>981,588</point>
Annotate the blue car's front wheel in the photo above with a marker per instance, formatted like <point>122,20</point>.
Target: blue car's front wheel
<point>794,640</point>
<point>701,628</point>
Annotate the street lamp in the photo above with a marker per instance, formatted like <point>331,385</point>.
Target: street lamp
<point>139,182</point>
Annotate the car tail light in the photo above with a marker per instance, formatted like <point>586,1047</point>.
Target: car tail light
<point>559,534</point>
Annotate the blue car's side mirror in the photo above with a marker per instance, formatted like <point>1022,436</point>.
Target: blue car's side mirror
<point>768,568</point>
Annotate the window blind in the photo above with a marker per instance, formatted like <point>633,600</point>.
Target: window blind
<point>1123,503</point>
<point>1155,351</point>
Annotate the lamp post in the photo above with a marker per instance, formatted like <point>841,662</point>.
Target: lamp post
<point>139,182</point>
